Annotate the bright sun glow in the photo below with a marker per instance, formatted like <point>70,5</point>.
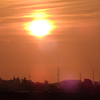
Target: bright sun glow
<point>39,27</point>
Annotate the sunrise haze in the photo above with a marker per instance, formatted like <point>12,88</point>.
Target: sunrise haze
<point>72,36</point>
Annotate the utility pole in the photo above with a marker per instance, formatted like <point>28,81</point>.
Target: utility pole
<point>58,73</point>
<point>29,76</point>
<point>80,76</point>
<point>93,76</point>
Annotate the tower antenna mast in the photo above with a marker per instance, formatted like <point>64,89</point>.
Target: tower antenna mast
<point>93,76</point>
<point>58,73</point>
<point>29,76</point>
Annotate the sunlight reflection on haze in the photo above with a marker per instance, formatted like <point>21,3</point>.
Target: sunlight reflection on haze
<point>47,44</point>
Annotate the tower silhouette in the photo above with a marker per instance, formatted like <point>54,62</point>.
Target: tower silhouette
<point>29,76</point>
<point>80,76</point>
<point>58,73</point>
<point>93,76</point>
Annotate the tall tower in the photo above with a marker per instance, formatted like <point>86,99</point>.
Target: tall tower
<point>58,73</point>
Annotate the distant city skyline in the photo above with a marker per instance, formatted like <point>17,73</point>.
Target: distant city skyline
<point>57,77</point>
<point>72,35</point>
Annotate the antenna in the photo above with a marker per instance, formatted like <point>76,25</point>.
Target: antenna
<point>58,73</point>
<point>29,76</point>
<point>93,76</point>
<point>80,76</point>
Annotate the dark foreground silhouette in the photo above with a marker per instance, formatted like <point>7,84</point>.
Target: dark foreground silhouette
<point>17,89</point>
<point>47,96</point>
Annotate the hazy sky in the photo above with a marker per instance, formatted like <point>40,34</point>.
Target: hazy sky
<point>75,41</point>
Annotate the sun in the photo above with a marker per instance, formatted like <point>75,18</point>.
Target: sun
<point>39,28</point>
<point>41,25</point>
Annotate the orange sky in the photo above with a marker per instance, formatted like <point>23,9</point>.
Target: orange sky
<point>74,41</point>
